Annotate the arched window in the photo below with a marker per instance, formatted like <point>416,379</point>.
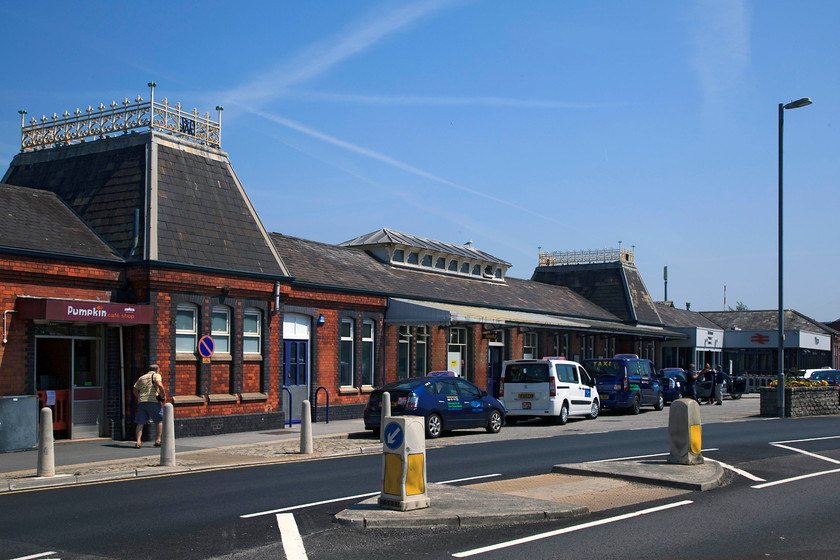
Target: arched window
<point>186,332</point>
<point>252,331</point>
<point>346,359</point>
<point>220,329</point>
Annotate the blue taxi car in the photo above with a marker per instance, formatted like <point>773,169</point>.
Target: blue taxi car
<point>626,382</point>
<point>445,402</point>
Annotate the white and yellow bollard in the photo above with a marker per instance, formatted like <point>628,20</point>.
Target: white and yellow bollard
<point>685,433</point>
<point>403,464</point>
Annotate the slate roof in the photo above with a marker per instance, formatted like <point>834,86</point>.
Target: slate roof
<point>345,268</point>
<point>616,286</point>
<point>39,221</point>
<point>205,217</point>
<point>683,318</point>
<point>193,211</point>
<point>766,321</point>
<point>387,236</point>
<point>102,181</point>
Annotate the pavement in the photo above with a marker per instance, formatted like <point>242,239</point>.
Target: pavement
<point>569,490</point>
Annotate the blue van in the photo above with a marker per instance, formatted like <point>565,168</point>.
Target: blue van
<point>625,382</point>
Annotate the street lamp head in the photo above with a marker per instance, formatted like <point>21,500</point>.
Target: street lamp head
<point>798,103</point>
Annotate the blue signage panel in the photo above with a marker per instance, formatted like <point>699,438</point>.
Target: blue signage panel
<point>206,346</point>
<point>393,435</point>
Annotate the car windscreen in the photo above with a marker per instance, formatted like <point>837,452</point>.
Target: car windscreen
<point>526,373</point>
<point>605,368</point>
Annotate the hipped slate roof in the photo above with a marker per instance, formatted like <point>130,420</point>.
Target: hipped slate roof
<point>192,209</point>
<point>683,318</point>
<point>617,287</point>
<point>37,221</point>
<point>344,268</point>
<point>765,321</point>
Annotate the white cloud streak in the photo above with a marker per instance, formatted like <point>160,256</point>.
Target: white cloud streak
<point>321,57</point>
<point>721,42</point>
<point>311,132</point>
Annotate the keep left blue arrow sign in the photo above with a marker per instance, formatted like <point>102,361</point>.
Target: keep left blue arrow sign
<point>393,435</point>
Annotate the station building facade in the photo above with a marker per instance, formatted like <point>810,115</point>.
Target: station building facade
<point>133,242</point>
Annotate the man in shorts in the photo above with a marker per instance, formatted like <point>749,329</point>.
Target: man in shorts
<point>149,407</point>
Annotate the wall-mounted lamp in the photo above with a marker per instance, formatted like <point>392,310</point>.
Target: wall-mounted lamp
<point>321,319</point>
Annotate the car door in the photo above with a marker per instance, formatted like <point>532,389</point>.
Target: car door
<point>648,386</point>
<point>450,404</point>
<point>569,386</point>
<point>586,385</point>
<point>474,412</point>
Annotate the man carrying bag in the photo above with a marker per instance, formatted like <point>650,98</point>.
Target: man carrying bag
<point>150,394</point>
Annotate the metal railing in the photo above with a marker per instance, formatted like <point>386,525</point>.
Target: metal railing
<point>120,118</point>
<point>586,256</point>
<point>327,393</point>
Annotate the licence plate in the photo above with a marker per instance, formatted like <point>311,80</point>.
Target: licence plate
<point>526,395</point>
<point>526,405</point>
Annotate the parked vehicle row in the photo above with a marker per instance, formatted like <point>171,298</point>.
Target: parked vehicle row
<point>551,388</point>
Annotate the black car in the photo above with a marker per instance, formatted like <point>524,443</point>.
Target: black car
<point>445,402</point>
<point>734,387</point>
<point>671,383</point>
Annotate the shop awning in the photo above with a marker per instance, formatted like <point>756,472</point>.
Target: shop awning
<point>76,310</point>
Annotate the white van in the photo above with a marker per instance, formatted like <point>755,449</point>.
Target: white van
<point>552,387</point>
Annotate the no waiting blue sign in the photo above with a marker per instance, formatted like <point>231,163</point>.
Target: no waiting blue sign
<point>206,346</point>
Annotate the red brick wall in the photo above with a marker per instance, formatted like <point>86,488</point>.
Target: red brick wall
<point>26,276</point>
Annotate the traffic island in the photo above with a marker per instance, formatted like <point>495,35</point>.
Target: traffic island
<point>455,507</point>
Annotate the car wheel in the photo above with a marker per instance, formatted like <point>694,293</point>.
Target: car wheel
<point>660,404</point>
<point>563,417</point>
<point>495,422</point>
<point>636,406</point>
<point>434,426</point>
<point>735,397</point>
<point>593,412</point>
<point>511,420</point>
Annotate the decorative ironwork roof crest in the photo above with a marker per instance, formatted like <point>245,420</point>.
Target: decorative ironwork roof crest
<point>120,118</point>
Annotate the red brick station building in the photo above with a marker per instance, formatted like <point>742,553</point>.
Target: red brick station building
<point>127,239</point>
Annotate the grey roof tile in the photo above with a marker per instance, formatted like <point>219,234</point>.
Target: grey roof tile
<point>37,220</point>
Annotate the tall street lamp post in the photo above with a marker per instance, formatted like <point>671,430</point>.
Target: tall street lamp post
<point>780,382</point>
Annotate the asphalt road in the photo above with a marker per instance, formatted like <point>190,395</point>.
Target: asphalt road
<point>211,514</point>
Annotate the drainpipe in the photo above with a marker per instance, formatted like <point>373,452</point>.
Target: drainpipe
<point>122,387</point>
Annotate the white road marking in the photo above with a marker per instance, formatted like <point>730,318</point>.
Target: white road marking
<point>33,556</point>
<point>795,478</point>
<point>346,498</point>
<point>289,534</point>
<point>736,470</point>
<point>549,534</point>
<point>301,506</point>
<point>808,453</point>
<point>643,456</point>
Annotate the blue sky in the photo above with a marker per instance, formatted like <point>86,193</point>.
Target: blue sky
<point>514,125</point>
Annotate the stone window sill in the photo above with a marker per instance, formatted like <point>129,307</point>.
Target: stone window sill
<point>221,398</point>
<point>187,399</point>
<point>253,397</point>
